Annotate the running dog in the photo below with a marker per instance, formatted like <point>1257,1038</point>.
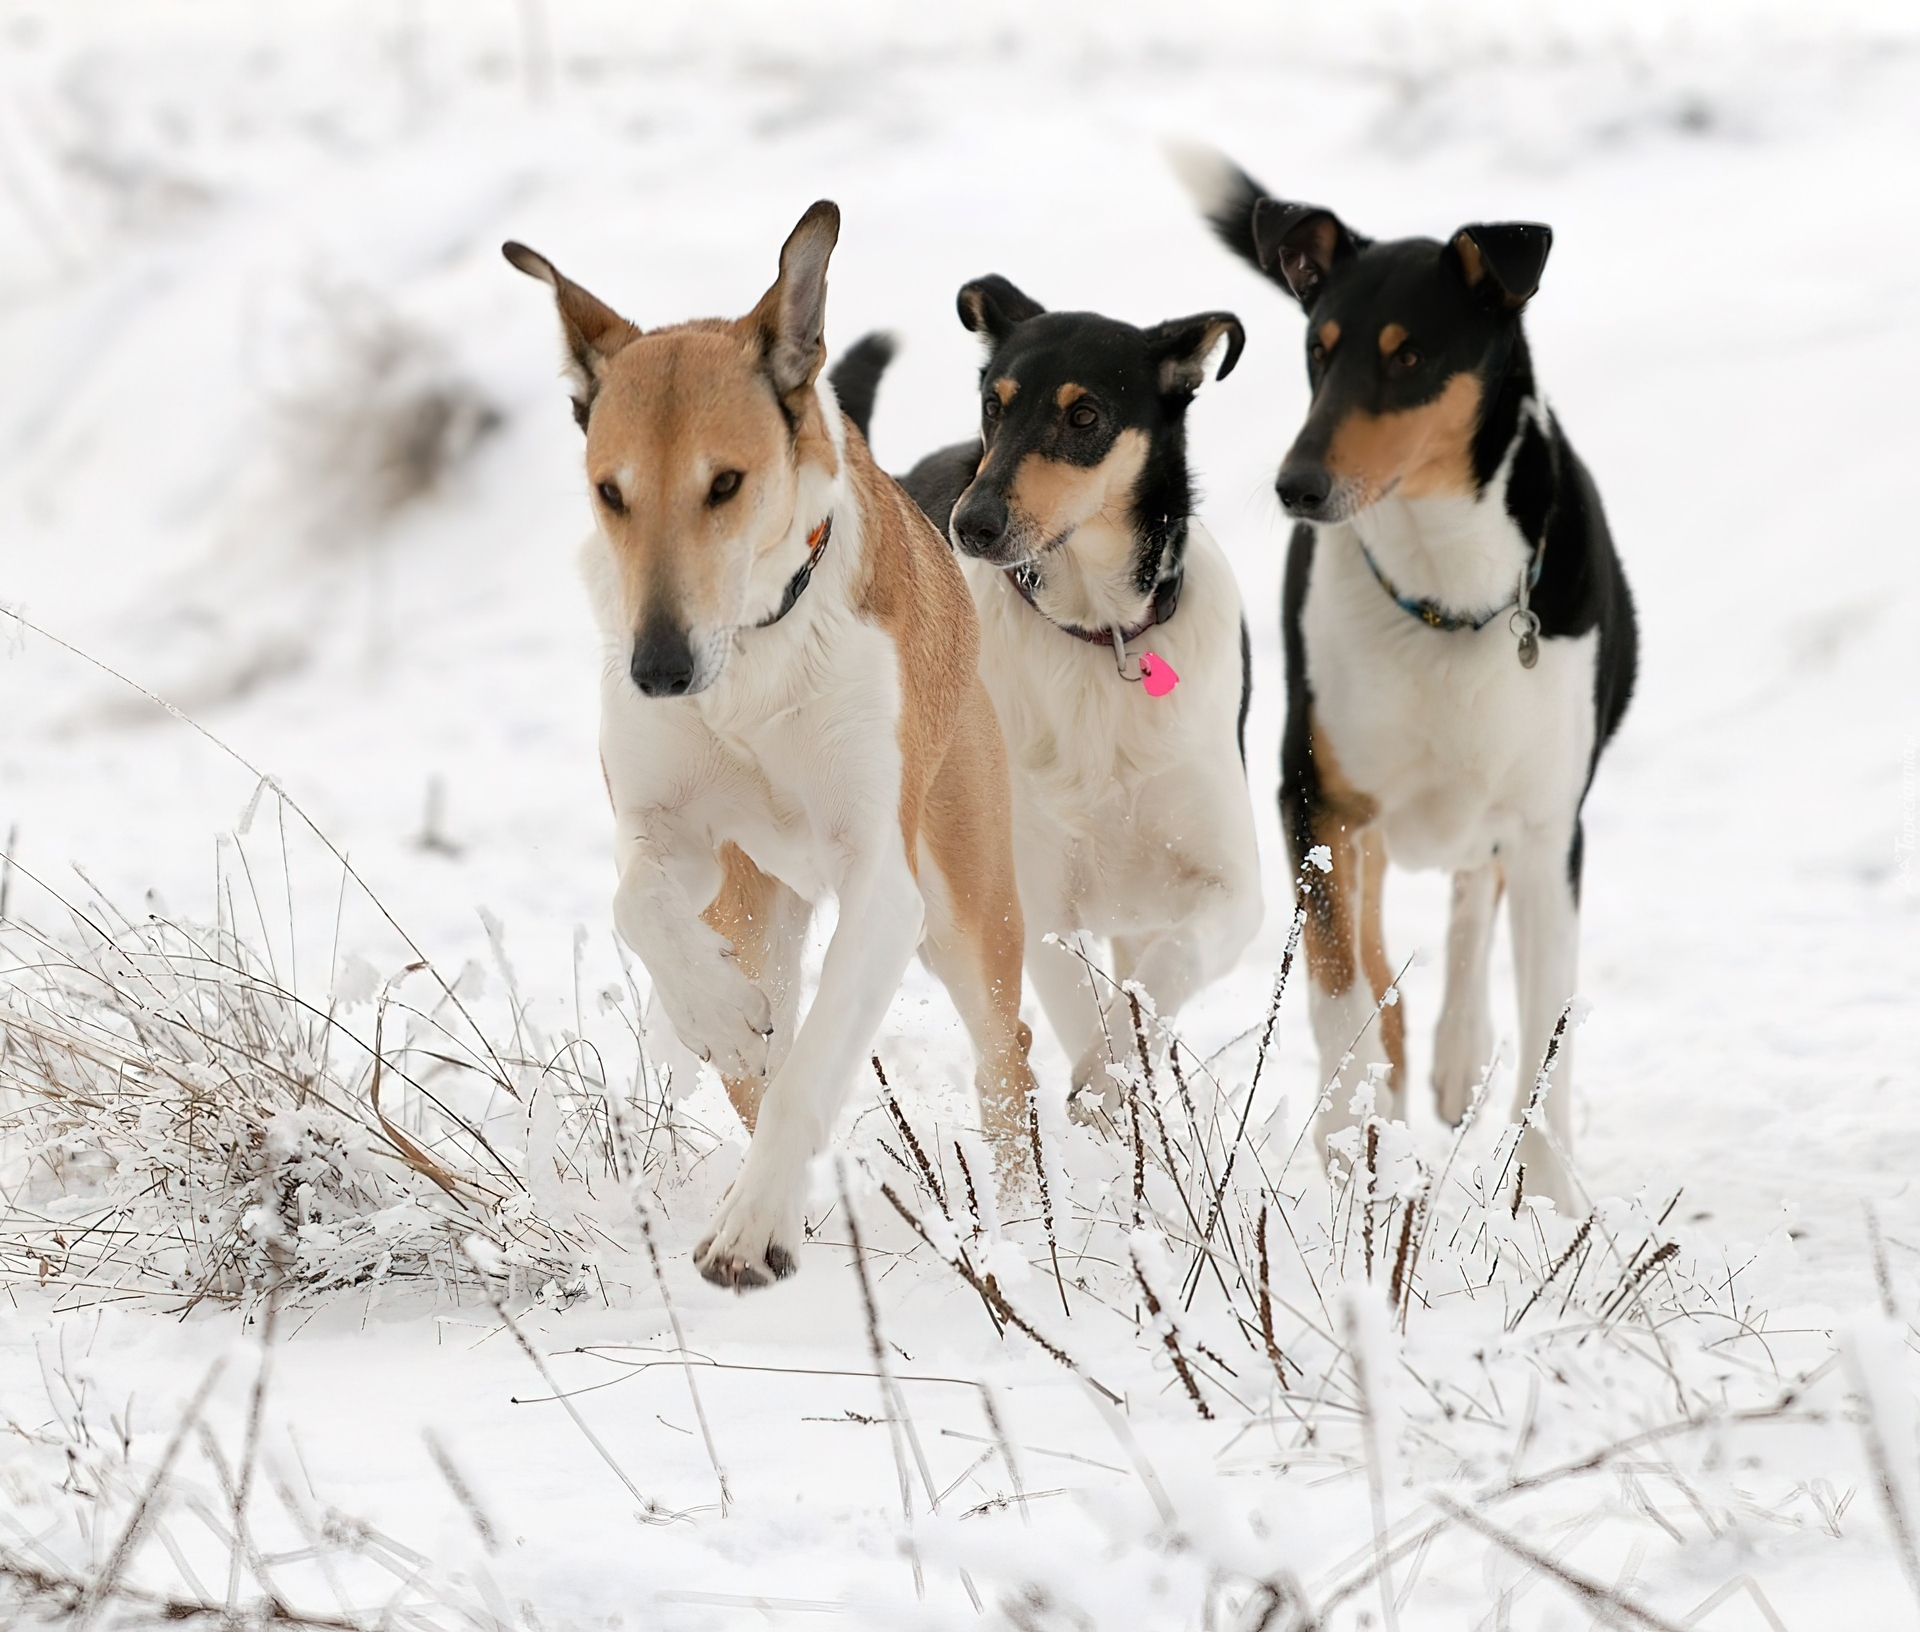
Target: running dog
<point>1073,511</point>
<point>790,707</point>
<point>1460,642</point>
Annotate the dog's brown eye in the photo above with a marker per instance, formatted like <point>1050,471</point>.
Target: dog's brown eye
<point>1082,417</point>
<point>1405,358</point>
<point>610,497</point>
<point>990,408</point>
<point>725,485</point>
<point>1317,352</point>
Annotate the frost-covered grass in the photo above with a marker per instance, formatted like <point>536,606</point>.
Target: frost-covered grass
<point>254,337</point>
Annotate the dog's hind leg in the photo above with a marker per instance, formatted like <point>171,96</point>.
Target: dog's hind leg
<point>1463,1041</point>
<point>975,937</point>
<point>765,923</point>
<point>1546,948</point>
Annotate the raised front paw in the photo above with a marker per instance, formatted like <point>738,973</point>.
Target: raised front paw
<point>756,1235</point>
<point>720,1014</point>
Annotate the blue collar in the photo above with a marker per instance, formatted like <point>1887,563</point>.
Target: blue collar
<point>1431,612</point>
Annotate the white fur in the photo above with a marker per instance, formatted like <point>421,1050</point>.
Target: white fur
<point>1478,766</point>
<point>1131,814</point>
<point>793,754</point>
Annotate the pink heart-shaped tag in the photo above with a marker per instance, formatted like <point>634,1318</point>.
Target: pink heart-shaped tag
<point>1156,674</point>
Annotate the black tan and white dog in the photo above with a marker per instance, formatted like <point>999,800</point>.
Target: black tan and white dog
<point>1460,643</point>
<point>790,708</point>
<point>1113,644</point>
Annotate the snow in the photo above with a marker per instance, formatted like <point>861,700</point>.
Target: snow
<point>240,247</point>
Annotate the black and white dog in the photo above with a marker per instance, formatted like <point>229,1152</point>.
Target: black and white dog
<point>1114,647</point>
<point>1460,642</point>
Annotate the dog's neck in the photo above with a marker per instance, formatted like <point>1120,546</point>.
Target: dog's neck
<point>1463,552</point>
<point>1106,573</point>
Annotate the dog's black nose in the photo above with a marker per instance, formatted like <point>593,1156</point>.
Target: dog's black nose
<point>980,523</point>
<point>662,664</point>
<point>1303,492</point>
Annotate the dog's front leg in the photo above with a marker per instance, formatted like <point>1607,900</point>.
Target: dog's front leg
<point>667,875</point>
<point>756,1235</point>
<point>1546,947</point>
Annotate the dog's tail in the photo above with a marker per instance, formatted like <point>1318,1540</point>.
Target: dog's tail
<point>1225,193</point>
<point>856,377</point>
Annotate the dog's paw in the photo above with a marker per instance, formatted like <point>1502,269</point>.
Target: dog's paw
<point>1462,1048</point>
<point>756,1235</point>
<point>721,1015</point>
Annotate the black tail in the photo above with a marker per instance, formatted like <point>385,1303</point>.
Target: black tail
<point>856,377</point>
<point>1226,195</point>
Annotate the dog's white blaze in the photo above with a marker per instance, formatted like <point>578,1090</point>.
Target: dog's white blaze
<point>1131,814</point>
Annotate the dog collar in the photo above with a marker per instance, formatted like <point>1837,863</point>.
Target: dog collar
<point>797,584</point>
<point>1166,600</point>
<point>1524,621</point>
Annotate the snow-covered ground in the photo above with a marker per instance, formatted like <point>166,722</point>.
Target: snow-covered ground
<point>244,253</point>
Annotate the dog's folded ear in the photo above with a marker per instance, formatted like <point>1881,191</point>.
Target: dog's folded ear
<point>593,330</point>
<point>792,316</point>
<point>1182,345</point>
<point>1504,257</point>
<point>992,308</point>
<point>1300,244</point>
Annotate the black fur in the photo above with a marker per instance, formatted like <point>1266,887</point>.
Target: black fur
<point>1246,688</point>
<point>856,378</point>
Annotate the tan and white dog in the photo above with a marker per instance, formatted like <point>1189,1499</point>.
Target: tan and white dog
<point>790,709</point>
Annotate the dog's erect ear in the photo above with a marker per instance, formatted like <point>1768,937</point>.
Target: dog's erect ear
<point>1300,244</point>
<point>991,307</point>
<point>594,331</point>
<point>1182,345</point>
<point>1504,257</point>
<point>792,315</point>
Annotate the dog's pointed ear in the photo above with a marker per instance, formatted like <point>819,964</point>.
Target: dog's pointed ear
<point>1505,258</point>
<point>1299,244</point>
<point>992,308</point>
<point>1182,345</point>
<point>593,330</point>
<point>792,315</point>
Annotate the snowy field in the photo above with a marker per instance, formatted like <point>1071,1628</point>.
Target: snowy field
<point>283,442</point>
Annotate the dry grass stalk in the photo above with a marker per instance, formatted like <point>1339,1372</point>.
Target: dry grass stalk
<point>1612,1607</point>
<point>651,1511</point>
<point>1169,1338</point>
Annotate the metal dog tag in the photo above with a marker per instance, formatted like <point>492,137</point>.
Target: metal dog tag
<point>1526,624</point>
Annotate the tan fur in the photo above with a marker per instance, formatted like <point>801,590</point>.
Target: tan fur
<point>1328,334</point>
<point>1392,338</point>
<point>742,911</point>
<point>1416,451</point>
<point>1052,498</point>
<point>1006,390</point>
<point>1343,815</point>
<point>675,407</point>
<point>954,794</point>
<point>1068,395</point>
<point>1471,261</point>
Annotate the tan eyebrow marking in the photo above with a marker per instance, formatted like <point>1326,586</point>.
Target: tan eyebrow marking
<point>1392,338</point>
<point>1006,390</point>
<point>1329,334</point>
<point>1068,395</point>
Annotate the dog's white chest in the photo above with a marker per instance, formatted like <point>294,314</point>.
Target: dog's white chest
<point>1462,748</point>
<point>1120,799</point>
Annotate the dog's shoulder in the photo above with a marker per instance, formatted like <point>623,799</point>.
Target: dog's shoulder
<point>910,583</point>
